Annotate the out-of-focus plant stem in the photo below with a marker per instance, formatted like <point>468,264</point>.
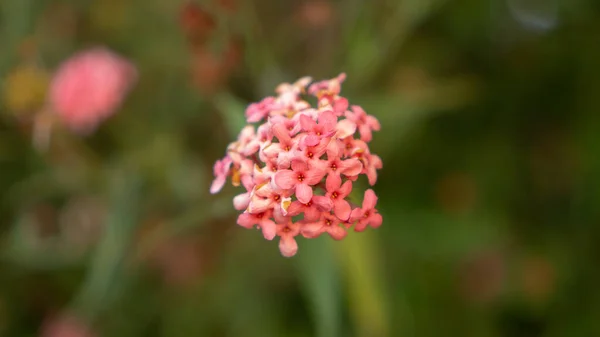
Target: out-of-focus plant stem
<point>360,258</point>
<point>321,284</point>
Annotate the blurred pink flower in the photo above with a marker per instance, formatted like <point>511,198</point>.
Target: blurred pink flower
<point>89,87</point>
<point>65,326</point>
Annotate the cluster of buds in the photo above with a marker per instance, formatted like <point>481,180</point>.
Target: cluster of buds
<point>299,165</point>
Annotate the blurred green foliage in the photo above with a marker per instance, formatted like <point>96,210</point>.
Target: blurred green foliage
<point>489,190</point>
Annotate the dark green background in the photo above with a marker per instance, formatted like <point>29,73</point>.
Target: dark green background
<point>489,191</point>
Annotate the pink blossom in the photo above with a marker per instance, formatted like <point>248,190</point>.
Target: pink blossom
<point>287,242</point>
<point>313,209</point>
<point>371,162</point>
<point>337,192</point>
<point>285,150</point>
<point>302,161</point>
<point>266,198</point>
<point>256,112</point>
<point>366,124</point>
<point>332,86</point>
<point>328,223</point>
<point>220,170</point>
<point>300,178</point>
<point>324,129</point>
<point>367,215</point>
<point>242,201</point>
<point>334,165</point>
<point>66,325</point>
<point>262,220</point>
<point>89,87</point>
<point>312,154</point>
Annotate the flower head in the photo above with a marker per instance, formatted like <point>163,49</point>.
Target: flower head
<point>89,87</point>
<point>298,166</point>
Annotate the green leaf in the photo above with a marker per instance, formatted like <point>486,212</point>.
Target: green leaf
<point>106,275</point>
<point>233,112</point>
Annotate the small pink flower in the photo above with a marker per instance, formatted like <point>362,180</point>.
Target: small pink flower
<point>334,165</point>
<point>340,105</point>
<point>262,220</point>
<point>324,129</point>
<point>256,112</point>
<point>332,86</point>
<point>287,242</point>
<point>296,88</point>
<point>242,201</point>
<point>285,150</point>
<point>329,224</point>
<point>300,178</point>
<point>66,325</point>
<point>313,209</point>
<point>292,126</point>
<point>312,154</point>
<point>337,193</point>
<point>89,87</point>
<point>366,123</point>
<point>371,162</point>
<point>221,171</point>
<point>266,198</point>
<point>246,145</point>
<point>367,215</point>
<point>265,135</point>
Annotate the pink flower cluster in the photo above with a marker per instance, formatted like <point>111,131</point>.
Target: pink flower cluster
<point>89,87</point>
<point>299,165</point>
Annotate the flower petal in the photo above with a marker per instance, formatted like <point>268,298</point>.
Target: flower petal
<point>281,133</point>
<point>288,246</point>
<point>312,230</point>
<point>333,183</point>
<point>311,140</point>
<point>217,184</point>
<point>375,220</point>
<point>342,209</point>
<point>328,120</point>
<point>285,179</point>
<point>299,165</point>
<point>311,214</point>
<point>246,220</point>
<point>314,176</point>
<point>307,123</point>
<point>373,123</point>
<point>345,189</point>
<point>361,225</point>
<point>241,201</point>
<point>259,205</point>
<point>304,193</point>
<point>351,167</point>
<point>345,128</point>
<point>370,200</point>
<point>340,106</point>
<point>269,229</point>
<point>356,214</point>
<point>296,207</point>
<point>336,232</point>
<point>322,203</point>
<point>365,133</point>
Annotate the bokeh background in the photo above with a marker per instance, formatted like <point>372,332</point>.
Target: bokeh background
<point>489,191</point>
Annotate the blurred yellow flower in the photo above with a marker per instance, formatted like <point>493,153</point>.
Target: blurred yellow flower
<point>24,90</point>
